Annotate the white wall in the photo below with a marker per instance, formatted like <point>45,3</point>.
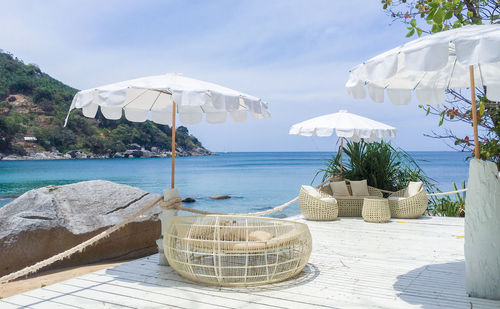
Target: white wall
<point>482,231</point>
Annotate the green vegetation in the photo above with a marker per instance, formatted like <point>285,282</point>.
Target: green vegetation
<point>34,104</point>
<point>447,205</point>
<point>382,165</point>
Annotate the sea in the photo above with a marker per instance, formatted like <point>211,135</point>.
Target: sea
<point>255,181</point>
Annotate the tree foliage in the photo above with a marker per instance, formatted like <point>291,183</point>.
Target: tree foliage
<point>432,16</point>
<point>44,114</point>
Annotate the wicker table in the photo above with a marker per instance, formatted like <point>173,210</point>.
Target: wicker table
<point>376,210</point>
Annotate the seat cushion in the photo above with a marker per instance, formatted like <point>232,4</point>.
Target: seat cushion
<point>413,188</point>
<point>260,236</point>
<point>359,188</point>
<point>396,198</point>
<point>311,191</point>
<point>350,197</point>
<point>328,199</point>
<point>339,188</point>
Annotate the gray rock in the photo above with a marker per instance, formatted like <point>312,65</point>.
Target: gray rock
<point>72,153</point>
<point>146,154</point>
<point>11,158</point>
<point>118,155</point>
<point>135,146</point>
<point>188,200</point>
<point>220,197</point>
<point>132,153</point>
<point>46,221</point>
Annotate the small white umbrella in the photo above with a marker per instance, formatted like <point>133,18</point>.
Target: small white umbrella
<point>460,58</point>
<point>345,125</point>
<point>160,98</point>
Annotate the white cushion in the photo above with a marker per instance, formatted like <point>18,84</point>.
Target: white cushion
<point>349,197</point>
<point>260,236</point>
<point>413,188</point>
<point>311,191</point>
<point>359,188</point>
<point>339,188</point>
<point>328,199</point>
<point>396,198</point>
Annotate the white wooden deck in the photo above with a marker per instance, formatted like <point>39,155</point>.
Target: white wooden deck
<point>401,264</point>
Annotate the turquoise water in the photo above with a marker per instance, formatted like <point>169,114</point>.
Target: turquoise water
<point>256,181</point>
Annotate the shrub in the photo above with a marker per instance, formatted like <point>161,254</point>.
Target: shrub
<point>22,85</point>
<point>41,93</point>
<point>382,165</point>
<point>447,205</point>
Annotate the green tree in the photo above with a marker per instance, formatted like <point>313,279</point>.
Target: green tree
<point>432,16</point>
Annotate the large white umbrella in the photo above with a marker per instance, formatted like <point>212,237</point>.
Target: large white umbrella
<point>345,125</point>
<point>466,57</point>
<point>160,98</point>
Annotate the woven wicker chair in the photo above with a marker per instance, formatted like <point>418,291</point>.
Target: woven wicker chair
<point>409,207</point>
<point>313,208</point>
<point>236,250</point>
<point>351,207</point>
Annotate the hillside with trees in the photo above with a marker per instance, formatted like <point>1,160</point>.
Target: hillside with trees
<point>33,106</point>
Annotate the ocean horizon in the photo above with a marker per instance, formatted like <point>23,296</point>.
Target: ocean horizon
<point>255,180</point>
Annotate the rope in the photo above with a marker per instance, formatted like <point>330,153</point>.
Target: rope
<point>447,193</point>
<point>79,248</point>
<point>252,214</point>
<point>171,204</point>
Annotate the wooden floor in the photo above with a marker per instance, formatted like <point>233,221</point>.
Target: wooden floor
<point>354,264</point>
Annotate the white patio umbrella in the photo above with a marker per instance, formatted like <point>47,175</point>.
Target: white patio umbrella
<point>345,125</point>
<point>160,98</point>
<point>466,57</point>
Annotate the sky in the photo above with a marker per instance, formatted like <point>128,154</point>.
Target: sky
<point>294,55</point>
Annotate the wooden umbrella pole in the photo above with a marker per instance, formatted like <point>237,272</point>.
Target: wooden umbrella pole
<point>341,151</point>
<point>173,146</point>
<point>474,111</point>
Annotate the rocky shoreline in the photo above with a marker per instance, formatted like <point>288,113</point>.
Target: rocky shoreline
<point>134,152</point>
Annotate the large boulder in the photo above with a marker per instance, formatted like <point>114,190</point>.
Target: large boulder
<point>46,221</point>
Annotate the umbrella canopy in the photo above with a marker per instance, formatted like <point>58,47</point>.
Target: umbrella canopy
<point>460,58</point>
<point>347,125</point>
<point>152,98</point>
<point>160,98</point>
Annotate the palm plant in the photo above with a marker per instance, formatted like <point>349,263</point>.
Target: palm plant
<point>382,165</point>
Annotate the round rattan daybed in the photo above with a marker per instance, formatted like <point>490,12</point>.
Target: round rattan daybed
<point>229,250</point>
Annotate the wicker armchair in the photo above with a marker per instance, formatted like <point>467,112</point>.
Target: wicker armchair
<point>408,207</point>
<point>318,209</point>
<point>351,206</point>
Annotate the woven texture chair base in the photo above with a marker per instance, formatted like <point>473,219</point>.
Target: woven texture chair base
<point>351,207</point>
<point>408,208</point>
<point>376,210</point>
<point>236,250</point>
<point>315,209</point>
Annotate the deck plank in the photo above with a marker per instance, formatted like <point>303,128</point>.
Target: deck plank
<point>409,263</point>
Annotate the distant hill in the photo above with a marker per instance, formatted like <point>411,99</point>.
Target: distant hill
<point>33,104</point>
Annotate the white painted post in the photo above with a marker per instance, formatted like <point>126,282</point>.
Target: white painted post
<point>165,216</point>
<point>482,231</point>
